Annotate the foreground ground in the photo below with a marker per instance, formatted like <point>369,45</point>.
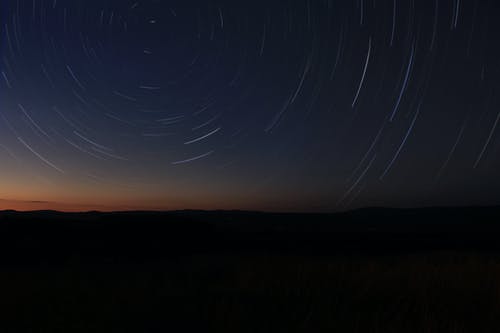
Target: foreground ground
<point>86,274</point>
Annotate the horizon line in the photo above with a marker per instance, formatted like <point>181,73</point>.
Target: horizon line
<point>247,210</point>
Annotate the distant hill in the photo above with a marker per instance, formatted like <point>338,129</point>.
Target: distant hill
<point>144,236</point>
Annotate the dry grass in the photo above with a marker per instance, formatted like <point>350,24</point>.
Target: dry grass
<point>433,292</point>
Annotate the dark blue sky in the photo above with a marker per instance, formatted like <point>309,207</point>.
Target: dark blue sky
<point>297,105</point>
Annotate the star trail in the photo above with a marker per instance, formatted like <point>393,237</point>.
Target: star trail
<point>297,106</point>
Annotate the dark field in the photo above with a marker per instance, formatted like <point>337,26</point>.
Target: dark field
<point>198,271</point>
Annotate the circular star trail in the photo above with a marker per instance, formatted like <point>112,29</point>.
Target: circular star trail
<point>298,105</point>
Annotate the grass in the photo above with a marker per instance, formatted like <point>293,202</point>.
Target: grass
<point>419,292</point>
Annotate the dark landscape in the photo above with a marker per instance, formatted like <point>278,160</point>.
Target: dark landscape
<point>145,144</point>
<point>368,270</point>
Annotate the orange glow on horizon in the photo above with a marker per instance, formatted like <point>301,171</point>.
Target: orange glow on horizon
<point>21,205</point>
<point>27,205</point>
<point>82,205</point>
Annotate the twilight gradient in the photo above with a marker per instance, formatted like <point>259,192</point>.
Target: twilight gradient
<point>297,106</point>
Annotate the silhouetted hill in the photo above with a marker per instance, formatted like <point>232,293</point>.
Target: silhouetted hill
<point>384,270</point>
<point>151,236</point>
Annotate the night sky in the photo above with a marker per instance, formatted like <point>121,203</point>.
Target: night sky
<point>272,105</point>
